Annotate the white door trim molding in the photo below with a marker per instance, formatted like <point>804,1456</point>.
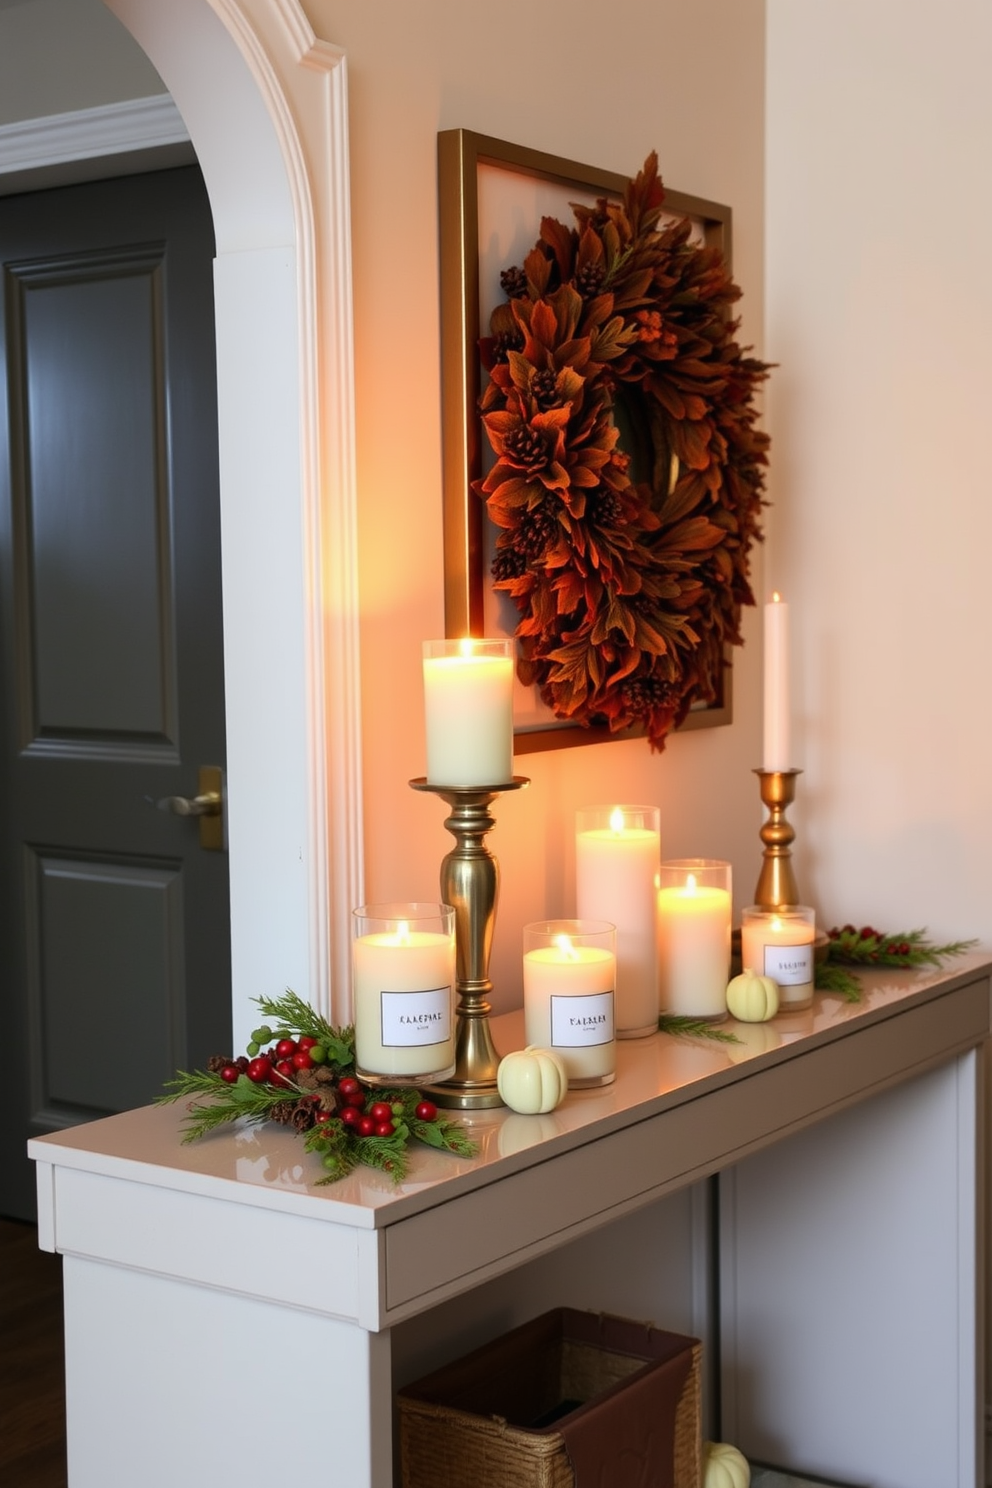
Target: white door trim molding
<point>265,104</point>
<point>82,134</point>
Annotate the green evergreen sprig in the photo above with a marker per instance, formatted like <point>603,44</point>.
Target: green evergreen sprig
<point>849,946</point>
<point>830,978</point>
<point>681,1026</point>
<point>296,1018</point>
<point>866,947</point>
<point>215,1101</point>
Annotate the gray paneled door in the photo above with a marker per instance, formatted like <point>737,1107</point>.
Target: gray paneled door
<point>115,925</point>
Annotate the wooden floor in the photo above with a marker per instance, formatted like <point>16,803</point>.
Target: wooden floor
<point>32,1361</point>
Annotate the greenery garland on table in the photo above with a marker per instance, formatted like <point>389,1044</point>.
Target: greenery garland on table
<point>628,565</point>
<point>849,946</point>
<point>318,1096</point>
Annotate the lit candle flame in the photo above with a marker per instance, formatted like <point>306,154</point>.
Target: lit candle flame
<point>566,947</point>
<point>690,884</point>
<point>403,932</point>
<point>466,646</point>
<point>776,597</point>
<point>776,923</point>
<point>616,820</point>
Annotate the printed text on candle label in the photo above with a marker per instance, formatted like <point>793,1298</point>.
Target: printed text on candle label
<point>581,1022</point>
<point>789,965</point>
<point>412,1019</point>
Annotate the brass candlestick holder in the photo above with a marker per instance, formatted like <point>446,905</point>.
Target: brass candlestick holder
<point>777,881</point>
<point>470,884</point>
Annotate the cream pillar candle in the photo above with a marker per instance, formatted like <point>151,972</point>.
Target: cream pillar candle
<point>403,961</point>
<point>569,983</point>
<point>694,914</point>
<point>617,858</point>
<point>468,711</point>
<point>777,744</point>
<point>778,943</point>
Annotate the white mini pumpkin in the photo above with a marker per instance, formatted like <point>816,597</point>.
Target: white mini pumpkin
<point>724,1466</point>
<point>532,1080</point>
<point>752,998</point>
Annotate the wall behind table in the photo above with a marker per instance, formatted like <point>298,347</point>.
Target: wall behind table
<point>601,87</point>
<point>879,309</point>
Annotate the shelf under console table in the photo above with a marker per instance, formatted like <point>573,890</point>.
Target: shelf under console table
<point>216,1297</point>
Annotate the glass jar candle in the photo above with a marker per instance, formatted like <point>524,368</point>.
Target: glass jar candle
<point>778,943</point>
<point>617,857</point>
<point>570,970</point>
<point>403,967</point>
<point>694,915</point>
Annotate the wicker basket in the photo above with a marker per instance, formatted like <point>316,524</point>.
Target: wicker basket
<point>568,1400</point>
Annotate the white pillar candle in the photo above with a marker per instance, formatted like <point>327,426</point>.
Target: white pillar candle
<point>468,710</point>
<point>779,944</point>
<point>404,984</point>
<point>617,858</point>
<point>569,982</point>
<point>694,914</point>
<point>778,747</point>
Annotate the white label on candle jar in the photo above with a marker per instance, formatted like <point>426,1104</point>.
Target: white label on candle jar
<point>581,1022</point>
<point>411,1020</point>
<point>789,965</point>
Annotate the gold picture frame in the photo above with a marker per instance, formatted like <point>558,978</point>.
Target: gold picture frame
<point>492,195</point>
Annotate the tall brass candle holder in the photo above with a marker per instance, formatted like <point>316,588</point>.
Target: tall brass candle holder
<point>470,884</point>
<point>777,881</point>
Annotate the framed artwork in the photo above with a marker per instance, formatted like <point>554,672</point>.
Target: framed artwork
<point>492,197</point>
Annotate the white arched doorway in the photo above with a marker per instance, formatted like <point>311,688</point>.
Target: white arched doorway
<point>265,105</point>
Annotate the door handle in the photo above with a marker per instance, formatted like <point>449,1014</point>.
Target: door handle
<point>207,804</point>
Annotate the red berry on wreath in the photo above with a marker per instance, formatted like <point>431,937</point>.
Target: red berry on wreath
<point>384,1128</point>
<point>323,1117</point>
<point>426,1111</point>
<point>366,1126</point>
<point>355,1098</point>
<point>305,1041</point>
<point>302,1060</point>
<point>350,1116</point>
<point>285,1068</point>
<point>230,1073</point>
<point>348,1085</point>
<point>381,1112</point>
<point>286,1048</point>
<point>259,1069</point>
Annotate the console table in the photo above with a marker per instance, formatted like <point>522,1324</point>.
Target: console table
<point>809,1200</point>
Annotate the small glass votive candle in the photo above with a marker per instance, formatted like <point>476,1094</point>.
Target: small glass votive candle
<point>694,927</point>
<point>403,970</point>
<point>778,943</point>
<point>617,856</point>
<point>570,972</point>
<point>468,712</point>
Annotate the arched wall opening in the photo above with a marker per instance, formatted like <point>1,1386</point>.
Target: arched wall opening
<point>265,105</point>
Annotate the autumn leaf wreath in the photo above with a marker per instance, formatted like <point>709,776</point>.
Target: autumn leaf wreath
<point>626,554</point>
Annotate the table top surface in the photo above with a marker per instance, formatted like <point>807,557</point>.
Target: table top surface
<point>265,1165</point>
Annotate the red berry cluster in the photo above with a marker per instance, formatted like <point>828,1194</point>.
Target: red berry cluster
<point>869,944</point>
<point>284,1066</point>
